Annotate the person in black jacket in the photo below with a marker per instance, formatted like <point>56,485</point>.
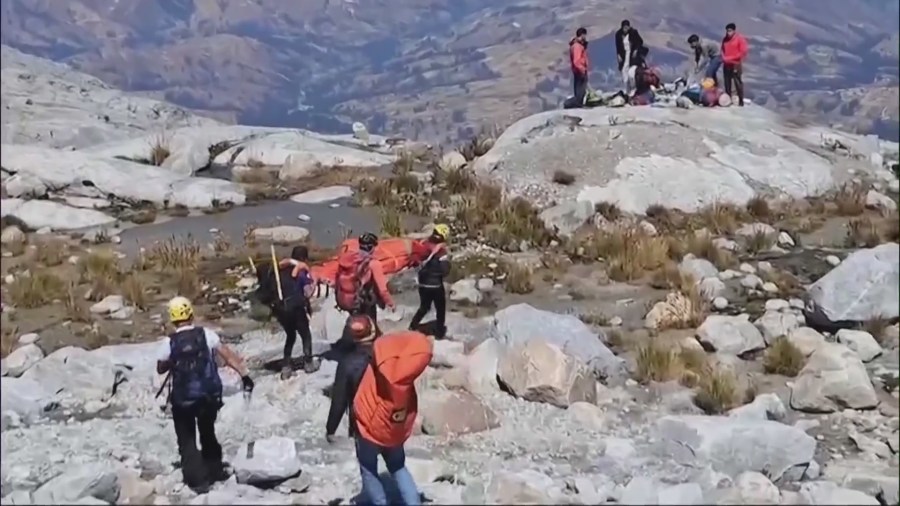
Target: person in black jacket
<point>628,41</point>
<point>350,370</point>
<point>432,271</point>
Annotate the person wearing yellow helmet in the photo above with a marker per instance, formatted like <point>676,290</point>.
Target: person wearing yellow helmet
<point>433,268</point>
<point>195,392</point>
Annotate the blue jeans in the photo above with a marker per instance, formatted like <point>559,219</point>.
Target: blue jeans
<point>712,68</point>
<point>395,459</point>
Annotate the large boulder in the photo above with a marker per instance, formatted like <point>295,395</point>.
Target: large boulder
<point>454,412</point>
<point>642,156</point>
<point>267,461</point>
<point>26,398</point>
<point>80,482</point>
<point>566,217</point>
<point>481,367</point>
<point>521,323</point>
<point>90,175</point>
<point>828,493</point>
<point>39,214</point>
<point>862,287</point>
<point>834,378</point>
<point>733,335</point>
<point>75,376</point>
<point>504,487</point>
<point>541,372</point>
<point>21,359</point>
<point>734,445</point>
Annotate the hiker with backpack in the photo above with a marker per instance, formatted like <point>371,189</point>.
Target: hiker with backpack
<point>433,268</point>
<point>189,356</point>
<point>294,311</point>
<point>360,285</point>
<point>375,383</point>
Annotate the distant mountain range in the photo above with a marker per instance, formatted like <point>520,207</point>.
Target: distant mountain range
<point>439,69</point>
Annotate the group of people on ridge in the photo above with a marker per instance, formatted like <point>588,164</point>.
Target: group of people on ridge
<point>637,76</point>
<point>374,380</point>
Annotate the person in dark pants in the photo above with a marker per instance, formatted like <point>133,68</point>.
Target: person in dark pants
<point>361,286</point>
<point>294,317</point>
<point>578,58</point>
<point>628,45</point>
<point>734,50</point>
<point>189,356</point>
<point>432,270</point>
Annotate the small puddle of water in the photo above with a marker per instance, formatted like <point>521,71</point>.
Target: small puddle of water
<point>326,226</point>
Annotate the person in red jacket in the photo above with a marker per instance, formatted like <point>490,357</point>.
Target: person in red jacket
<point>734,50</point>
<point>579,59</point>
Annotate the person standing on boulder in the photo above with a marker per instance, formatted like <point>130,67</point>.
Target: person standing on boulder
<point>578,58</point>
<point>189,356</point>
<point>628,46</point>
<point>375,383</point>
<point>734,50</point>
<point>707,56</point>
<point>433,268</point>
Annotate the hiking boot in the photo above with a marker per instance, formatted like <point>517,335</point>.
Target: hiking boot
<point>200,488</point>
<point>440,332</point>
<point>312,365</point>
<point>217,472</point>
<point>287,372</point>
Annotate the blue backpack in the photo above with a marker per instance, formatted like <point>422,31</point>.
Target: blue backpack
<point>195,375</point>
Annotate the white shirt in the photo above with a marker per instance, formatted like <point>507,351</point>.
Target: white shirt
<point>213,341</point>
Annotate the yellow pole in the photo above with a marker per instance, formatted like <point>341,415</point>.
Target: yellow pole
<point>277,272</point>
<point>252,264</point>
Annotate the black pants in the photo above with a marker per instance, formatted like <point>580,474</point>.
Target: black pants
<point>428,297</point>
<point>293,324</point>
<point>580,83</point>
<point>733,73</point>
<point>204,466</point>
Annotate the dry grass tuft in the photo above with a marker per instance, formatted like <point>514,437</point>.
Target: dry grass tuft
<point>457,181</point>
<point>629,251</point>
<point>143,216</point>
<point>406,183</point>
<point>187,282</point>
<point>36,290</point>
<point>783,358</point>
<point>391,222</point>
<point>518,278</point>
<point>758,208</point>
<point>479,144</point>
<point>76,310</point>
<point>717,391</point>
<point>658,363</point>
<point>788,284</point>
<point>866,233</point>
<point>8,338</point>
<point>877,327</point>
<point>850,200</point>
<point>375,191</point>
<point>500,222</point>
<point>564,178</point>
<point>175,254</point>
<point>50,253</point>
<point>255,174</point>
<point>608,210</point>
<point>721,218</point>
<point>134,289</point>
<point>221,245</point>
<point>159,150</point>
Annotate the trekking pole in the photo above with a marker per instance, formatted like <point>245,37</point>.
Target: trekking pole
<point>252,264</point>
<point>277,273</point>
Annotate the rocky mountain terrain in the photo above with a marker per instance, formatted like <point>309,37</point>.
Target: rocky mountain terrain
<point>436,69</point>
<point>648,305</point>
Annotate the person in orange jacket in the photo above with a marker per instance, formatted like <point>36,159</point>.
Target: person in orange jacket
<point>360,284</point>
<point>734,50</point>
<point>578,58</point>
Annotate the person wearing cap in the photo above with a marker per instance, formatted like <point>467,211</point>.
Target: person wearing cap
<point>189,356</point>
<point>433,268</point>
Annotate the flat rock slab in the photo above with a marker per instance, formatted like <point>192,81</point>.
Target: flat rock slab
<point>326,194</point>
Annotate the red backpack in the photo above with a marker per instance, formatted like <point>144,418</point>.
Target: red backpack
<point>353,275</point>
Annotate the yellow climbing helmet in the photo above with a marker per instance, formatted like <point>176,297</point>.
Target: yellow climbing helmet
<point>442,230</point>
<point>708,83</point>
<point>180,309</point>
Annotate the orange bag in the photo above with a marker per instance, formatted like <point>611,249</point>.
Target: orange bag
<point>352,276</point>
<point>386,404</point>
<point>394,254</point>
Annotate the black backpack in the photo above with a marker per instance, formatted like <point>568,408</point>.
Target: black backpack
<point>267,291</point>
<point>195,374</point>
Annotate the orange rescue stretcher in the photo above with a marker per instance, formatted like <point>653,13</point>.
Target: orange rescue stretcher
<point>394,254</point>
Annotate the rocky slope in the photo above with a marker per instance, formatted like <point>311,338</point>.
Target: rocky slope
<point>709,315</point>
<point>430,68</point>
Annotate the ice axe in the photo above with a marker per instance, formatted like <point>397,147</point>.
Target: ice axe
<point>277,272</point>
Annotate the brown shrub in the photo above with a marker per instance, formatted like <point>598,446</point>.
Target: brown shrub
<point>518,279</point>
<point>717,391</point>
<point>35,290</point>
<point>783,358</point>
<point>608,210</point>
<point>758,208</point>
<point>850,200</point>
<point>564,178</point>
